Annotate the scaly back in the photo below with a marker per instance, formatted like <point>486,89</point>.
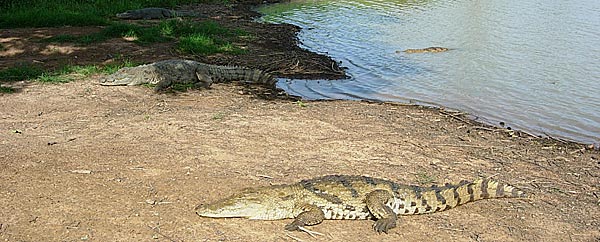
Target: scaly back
<point>236,73</point>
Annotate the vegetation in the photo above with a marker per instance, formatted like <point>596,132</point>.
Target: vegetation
<point>192,37</point>
<point>56,13</point>
<point>141,35</point>
<point>20,72</point>
<point>64,74</point>
<point>206,37</point>
<point>6,89</point>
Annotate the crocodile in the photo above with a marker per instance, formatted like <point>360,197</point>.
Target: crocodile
<point>154,13</point>
<point>168,72</point>
<point>426,50</point>
<point>311,201</point>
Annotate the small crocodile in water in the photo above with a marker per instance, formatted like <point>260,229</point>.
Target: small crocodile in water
<point>155,13</point>
<point>169,72</point>
<point>426,50</point>
<point>311,201</point>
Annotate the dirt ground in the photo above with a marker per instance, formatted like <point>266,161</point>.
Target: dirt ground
<point>87,162</point>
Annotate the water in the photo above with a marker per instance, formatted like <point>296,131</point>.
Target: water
<point>534,65</point>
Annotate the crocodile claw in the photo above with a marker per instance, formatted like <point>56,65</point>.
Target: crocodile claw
<point>384,224</point>
<point>292,227</point>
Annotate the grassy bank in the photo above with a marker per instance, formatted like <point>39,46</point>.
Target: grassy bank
<point>67,73</point>
<point>55,13</point>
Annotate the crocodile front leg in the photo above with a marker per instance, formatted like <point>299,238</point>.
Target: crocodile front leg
<point>376,203</point>
<point>311,215</point>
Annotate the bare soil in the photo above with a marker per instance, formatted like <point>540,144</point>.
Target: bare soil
<point>87,162</point>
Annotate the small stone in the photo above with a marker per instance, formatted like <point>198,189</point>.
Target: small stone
<point>81,171</point>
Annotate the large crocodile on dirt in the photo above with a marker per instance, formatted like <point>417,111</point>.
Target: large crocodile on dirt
<point>168,72</point>
<point>311,201</point>
<point>425,50</point>
<point>154,13</point>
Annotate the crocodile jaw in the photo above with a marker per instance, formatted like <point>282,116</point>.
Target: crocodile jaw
<point>116,81</point>
<point>252,211</point>
<point>263,204</point>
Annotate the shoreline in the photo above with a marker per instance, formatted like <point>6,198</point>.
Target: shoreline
<point>88,162</point>
<point>274,54</point>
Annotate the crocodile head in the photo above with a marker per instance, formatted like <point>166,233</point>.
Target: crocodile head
<point>131,14</point>
<point>268,203</point>
<point>128,76</point>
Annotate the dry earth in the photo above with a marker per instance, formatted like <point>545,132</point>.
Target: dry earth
<point>86,162</point>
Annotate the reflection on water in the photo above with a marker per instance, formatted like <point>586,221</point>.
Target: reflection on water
<point>532,64</point>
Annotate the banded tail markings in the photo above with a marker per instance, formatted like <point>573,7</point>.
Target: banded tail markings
<point>442,198</point>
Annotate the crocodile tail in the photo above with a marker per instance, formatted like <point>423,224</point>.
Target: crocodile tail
<point>449,196</point>
<point>246,75</point>
<point>256,76</point>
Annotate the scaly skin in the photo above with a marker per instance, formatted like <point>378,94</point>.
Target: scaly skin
<point>311,201</point>
<point>169,72</point>
<point>427,50</point>
<point>153,13</point>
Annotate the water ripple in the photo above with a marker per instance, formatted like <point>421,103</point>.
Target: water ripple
<point>531,64</point>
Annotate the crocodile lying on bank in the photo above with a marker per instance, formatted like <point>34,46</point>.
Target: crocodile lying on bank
<point>426,50</point>
<point>154,13</point>
<point>169,72</point>
<point>311,201</point>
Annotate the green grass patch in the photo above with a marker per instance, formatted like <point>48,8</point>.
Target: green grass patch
<point>7,89</point>
<point>201,38</point>
<point>201,44</point>
<point>114,67</point>
<point>141,35</point>
<point>2,48</point>
<point>68,73</point>
<point>198,44</point>
<point>198,38</point>
<point>20,72</point>
<point>177,28</point>
<point>64,74</point>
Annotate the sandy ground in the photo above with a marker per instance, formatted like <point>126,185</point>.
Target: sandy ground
<point>87,162</point>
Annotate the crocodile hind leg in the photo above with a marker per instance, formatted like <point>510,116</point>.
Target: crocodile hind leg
<point>376,203</point>
<point>204,80</point>
<point>311,215</point>
<point>162,85</point>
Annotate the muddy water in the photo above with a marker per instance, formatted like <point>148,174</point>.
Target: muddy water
<point>534,65</point>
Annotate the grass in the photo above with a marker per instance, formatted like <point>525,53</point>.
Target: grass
<point>2,48</point>
<point>202,38</point>
<point>141,35</point>
<point>7,89</point>
<point>64,74</point>
<point>197,38</point>
<point>56,13</point>
<point>194,38</point>
<point>20,72</point>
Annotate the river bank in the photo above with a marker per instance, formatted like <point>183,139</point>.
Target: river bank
<point>88,162</point>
